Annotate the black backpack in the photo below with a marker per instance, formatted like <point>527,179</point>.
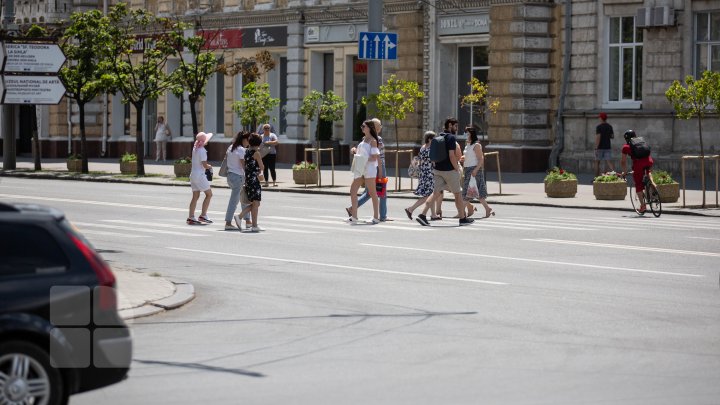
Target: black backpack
<point>639,148</point>
<point>438,150</point>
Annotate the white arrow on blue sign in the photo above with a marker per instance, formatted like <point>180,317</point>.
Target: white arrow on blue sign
<point>377,45</point>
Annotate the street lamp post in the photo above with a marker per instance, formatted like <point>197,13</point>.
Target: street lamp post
<point>8,111</point>
<point>375,20</point>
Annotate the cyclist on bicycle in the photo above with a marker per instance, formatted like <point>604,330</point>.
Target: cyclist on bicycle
<point>639,166</point>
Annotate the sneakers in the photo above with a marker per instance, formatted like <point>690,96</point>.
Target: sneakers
<point>353,220</point>
<point>230,228</point>
<point>193,221</point>
<point>256,229</point>
<point>466,221</point>
<point>205,219</point>
<point>238,221</point>
<point>374,221</point>
<point>422,219</point>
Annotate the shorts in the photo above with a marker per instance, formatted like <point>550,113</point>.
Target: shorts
<point>638,178</point>
<point>199,182</point>
<point>447,180</point>
<point>371,171</point>
<point>603,154</point>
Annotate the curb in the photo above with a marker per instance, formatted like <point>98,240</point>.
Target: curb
<point>184,293</point>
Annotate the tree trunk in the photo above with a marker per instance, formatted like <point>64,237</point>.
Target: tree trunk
<point>702,162</point>
<point>83,143</point>
<point>139,143</point>
<point>193,115</point>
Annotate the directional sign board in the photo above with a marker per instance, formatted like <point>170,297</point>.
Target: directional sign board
<point>22,57</point>
<point>377,45</point>
<point>32,90</point>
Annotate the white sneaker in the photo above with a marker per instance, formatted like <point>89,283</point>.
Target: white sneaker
<point>374,221</point>
<point>256,229</point>
<point>238,221</point>
<point>353,220</point>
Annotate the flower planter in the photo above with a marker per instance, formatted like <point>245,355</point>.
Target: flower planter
<point>305,176</point>
<point>74,165</point>
<point>561,189</point>
<point>610,191</point>
<point>669,193</point>
<point>182,169</point>
<point>128,167</point>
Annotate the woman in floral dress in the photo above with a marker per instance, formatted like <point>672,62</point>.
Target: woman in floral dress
<point>425,178</point>
<point>253,176</point>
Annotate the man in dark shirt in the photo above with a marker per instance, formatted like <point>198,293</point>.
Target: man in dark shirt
<point>603,149</point>
<point>446,175</point>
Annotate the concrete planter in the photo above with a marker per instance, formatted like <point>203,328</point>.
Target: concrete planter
<point>128,167</point>
<point>610,191</point>
<point>669,193</point>
<point>305,176</point>
<point>182,169</point>
<point>74,165</point>
<point>561,189</point>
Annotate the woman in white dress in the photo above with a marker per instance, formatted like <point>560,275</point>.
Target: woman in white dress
<point>367,148</point>
<point>199,181</point>
<point>162,136</point>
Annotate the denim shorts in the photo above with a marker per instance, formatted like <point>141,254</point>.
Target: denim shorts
<point>603,154</point>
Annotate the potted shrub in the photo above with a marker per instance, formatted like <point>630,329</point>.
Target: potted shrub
<point>305,173</point>
<point>74,163</point>
<point>560,183</point>
<point>609,186</point>
<point>668,188</point>
<point>128,163</point>
<point>183,166</point>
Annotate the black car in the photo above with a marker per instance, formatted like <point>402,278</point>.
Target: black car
<point>60,332</point>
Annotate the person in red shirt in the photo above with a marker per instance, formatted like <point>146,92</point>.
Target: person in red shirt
<point>639,167</point>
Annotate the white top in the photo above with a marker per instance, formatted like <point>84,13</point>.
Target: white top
<point>365,149</point>
<point>235,160</point>
<point>471,159</point>
<point>199,155</point>
<point>160,134</point>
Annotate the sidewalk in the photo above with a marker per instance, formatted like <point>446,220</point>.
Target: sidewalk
<point>141,294</point>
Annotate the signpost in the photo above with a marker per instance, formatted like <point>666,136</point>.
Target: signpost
<point>377,45</point>
<point>23,65</point>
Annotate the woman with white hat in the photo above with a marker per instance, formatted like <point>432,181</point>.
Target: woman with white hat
<point>199,181</point>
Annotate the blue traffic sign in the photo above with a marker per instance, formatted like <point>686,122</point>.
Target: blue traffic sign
<point>377,45</point>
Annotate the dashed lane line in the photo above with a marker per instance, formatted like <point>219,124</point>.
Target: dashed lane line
<point>626,247</point>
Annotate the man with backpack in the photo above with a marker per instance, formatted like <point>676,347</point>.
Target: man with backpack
<point>639,151</point>
<point>445,154</point>
<point>603,151</point>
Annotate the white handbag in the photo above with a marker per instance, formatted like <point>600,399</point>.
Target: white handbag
<point>358,165</point>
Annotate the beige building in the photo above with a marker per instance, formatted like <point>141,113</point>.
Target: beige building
<point>623,55</point>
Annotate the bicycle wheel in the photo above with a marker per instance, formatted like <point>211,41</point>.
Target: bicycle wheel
<point>634,198</point>
<point>653,200</point>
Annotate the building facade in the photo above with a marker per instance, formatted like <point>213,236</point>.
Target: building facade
<point>552,64</point>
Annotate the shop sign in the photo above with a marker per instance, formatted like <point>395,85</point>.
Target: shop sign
<point>260,37</point>
<point>321,34</point>
<point>223,39</point>
<point>463,24</point>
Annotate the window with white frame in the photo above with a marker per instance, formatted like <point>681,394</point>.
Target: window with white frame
<point>473,61</point>
<point>625,63</point>
<point>707,42</point>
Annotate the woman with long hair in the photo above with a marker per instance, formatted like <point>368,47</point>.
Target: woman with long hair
<point>368,148</point>
<point>426,183</point>
<point>253,176</point>
<point>474,166</point>
<point>235,158</point>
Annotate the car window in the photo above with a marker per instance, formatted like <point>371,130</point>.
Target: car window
<point>29,250</point>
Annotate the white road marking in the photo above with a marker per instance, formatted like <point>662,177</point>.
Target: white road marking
<point>700,237</point>
<point>201,228</point>
<point>113,234</point>
<point>379,227</point>
<point>520,259</point>
<point>339,266</point>
<point>127,228</point>
<point>539,225</point>
<point>626,247</point>
<point>648,222</point>
<point>568,221</point>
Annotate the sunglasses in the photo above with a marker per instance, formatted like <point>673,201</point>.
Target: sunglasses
<point>363,126</point>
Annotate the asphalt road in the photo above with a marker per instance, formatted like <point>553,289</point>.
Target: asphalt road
<point>533,306</point>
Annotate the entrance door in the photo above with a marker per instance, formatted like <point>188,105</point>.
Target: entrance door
<point>28,128</point>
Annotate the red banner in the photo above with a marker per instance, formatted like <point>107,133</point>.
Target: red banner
<point>223,39</point>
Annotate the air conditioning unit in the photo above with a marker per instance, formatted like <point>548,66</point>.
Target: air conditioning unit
<point>643,17</point>
<point>663,16</point>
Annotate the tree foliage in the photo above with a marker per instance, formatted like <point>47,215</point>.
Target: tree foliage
<point>85,74</point>
<point>323,106</point>
<point>479,103</point>
<point>141,75</point>
<point>396,99</point>
<point>255,104</point>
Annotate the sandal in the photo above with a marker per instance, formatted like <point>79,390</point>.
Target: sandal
<point>489,212</point>
<point>409,213</point>
<point>436,218</point>
<point>348,212</point>
<point>472,210</point>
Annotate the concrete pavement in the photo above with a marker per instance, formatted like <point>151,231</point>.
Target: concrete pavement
<point>141,294</point>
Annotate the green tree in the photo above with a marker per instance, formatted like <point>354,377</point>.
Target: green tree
<point>396,99</point>
<point>692,100</point>
<point>140,76</point>
<point>323,106</point>
<point>85,74</point>
<point>479,103</point>
<point>196,64</point>
<point>255,104</point>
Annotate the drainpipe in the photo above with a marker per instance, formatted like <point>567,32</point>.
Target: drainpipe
<point>69,124</point>
<point>554,159</point>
